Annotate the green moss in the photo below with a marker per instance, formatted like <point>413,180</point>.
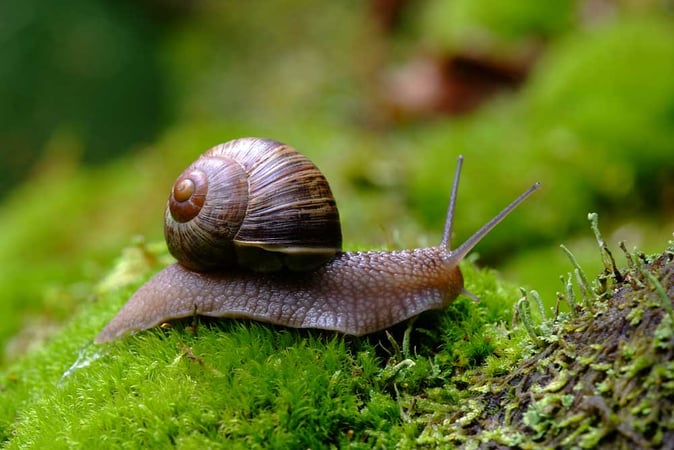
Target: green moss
<point>240,383</point>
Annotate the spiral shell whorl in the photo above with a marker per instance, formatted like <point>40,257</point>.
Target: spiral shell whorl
<point>254,203</point>
<point>199,229</point>
<point>188,195</point>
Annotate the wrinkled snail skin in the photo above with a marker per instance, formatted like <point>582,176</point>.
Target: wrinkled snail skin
<point>312,285</point>
<point>355,293</point>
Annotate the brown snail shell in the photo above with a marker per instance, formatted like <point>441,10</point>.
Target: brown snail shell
<point>253,203</point>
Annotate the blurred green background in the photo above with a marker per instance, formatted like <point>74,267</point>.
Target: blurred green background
<point>103,103</point>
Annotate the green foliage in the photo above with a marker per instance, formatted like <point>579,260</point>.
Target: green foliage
<point>229,63</point>
<point>464,23</point>
<point>613,123</point>
<point>601,136</point>
<point>86,68</point>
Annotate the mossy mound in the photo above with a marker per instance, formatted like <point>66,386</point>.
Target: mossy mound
<point>604,380</point>
<point>600,376</point>
<point>200,383</point>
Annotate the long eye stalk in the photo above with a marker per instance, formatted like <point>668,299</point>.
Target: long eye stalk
<point>467,246</point>
<point>449,221</point>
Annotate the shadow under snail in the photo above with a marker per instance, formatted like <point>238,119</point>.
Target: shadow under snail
<point>256,233</point>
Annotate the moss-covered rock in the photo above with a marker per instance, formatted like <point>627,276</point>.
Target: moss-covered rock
<point>605,379</point>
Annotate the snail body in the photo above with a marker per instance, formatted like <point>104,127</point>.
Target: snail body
<point>354,293</point>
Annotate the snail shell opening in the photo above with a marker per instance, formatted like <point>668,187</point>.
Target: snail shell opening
<point>253,203</point>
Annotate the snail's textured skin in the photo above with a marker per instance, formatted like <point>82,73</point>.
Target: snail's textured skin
<point>354,293</point>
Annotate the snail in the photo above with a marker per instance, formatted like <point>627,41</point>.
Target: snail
<point>266,270</point>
